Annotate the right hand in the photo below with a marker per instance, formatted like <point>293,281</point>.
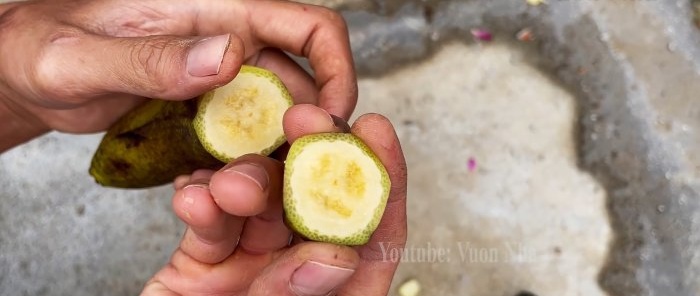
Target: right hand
<point>237,243</point>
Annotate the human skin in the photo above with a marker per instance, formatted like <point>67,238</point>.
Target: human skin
<point>76,66</point>
<point>243,200</point>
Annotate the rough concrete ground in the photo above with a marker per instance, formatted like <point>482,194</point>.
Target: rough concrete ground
<point>585,143</point>
<point>526,218</point>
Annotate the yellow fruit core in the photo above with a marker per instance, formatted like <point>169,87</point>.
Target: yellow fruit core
<point>336,187</point>
<point>344,176</point>
<point>245,116</point>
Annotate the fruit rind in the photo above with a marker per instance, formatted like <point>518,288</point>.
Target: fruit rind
<point>150,146</point>
<point>199,121</point>
<point>296,221</point>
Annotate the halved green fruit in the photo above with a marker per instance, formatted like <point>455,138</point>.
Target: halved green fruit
<point>160,140</point>
<point>335,189</point>
<point>244,116</point>
<point>150,146</point>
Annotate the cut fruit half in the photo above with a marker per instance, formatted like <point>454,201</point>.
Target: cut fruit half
<point>335,189</point>
<point>243,116</point>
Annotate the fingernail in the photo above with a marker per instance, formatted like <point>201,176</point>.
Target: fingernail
<point>317,279</point>
<point>205,57</point>
<point>188,196</point>
<point>251,171</point>
<point>340,123</point>
<point>187,191</point>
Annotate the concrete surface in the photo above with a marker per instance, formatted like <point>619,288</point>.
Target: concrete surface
<point>525,218</point>
<point>584,148</point>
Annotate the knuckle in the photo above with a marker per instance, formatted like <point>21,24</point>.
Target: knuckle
<point>37,66</point>
<point>50,76</point>
<point>10,23</point>
<point>12,17</point>
<point>45,76</point>
<point>332,17</point>
<point>150,64</point>
<point>8,19</point>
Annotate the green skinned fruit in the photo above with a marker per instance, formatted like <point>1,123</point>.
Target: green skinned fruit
<point>335,189</point>
<point>150,146</point>
<point>161,140</point>
<point>243,116</point>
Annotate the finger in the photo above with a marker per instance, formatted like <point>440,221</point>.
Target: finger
<point>299,83</point>
<point>241,188</point>
<point>230,277</point>
<point>166,67</point>
<point>181,181</point>
<point>322,37</point>
<point>305,119</point>
<point>156,288</point>
<point>374,274</point>
<point>307,269</point>
<point>212,234</point>
<point>102,112</point>
<point>315,32</point>
<point>267,232</point>
<point>198,175</point>
<point>202,175</point>
<point>216,211</point>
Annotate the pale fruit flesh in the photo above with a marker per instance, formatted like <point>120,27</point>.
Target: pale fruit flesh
<point>243,116</point>
<point>335,189</point>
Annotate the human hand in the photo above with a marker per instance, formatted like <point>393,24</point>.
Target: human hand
<point>236,242</point>
<point>78,65</point>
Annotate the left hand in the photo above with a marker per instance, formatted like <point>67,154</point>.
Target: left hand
<point>78,65</point>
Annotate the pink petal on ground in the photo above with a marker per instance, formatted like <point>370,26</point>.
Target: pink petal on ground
<point>471,164</point>
<point>482,34</point>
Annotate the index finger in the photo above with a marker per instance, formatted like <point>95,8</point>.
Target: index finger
<point>376,269</point>
<point>317,33</point>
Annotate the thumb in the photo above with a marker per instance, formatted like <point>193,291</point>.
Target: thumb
<point>307,269</point>
<point>162,67</point>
